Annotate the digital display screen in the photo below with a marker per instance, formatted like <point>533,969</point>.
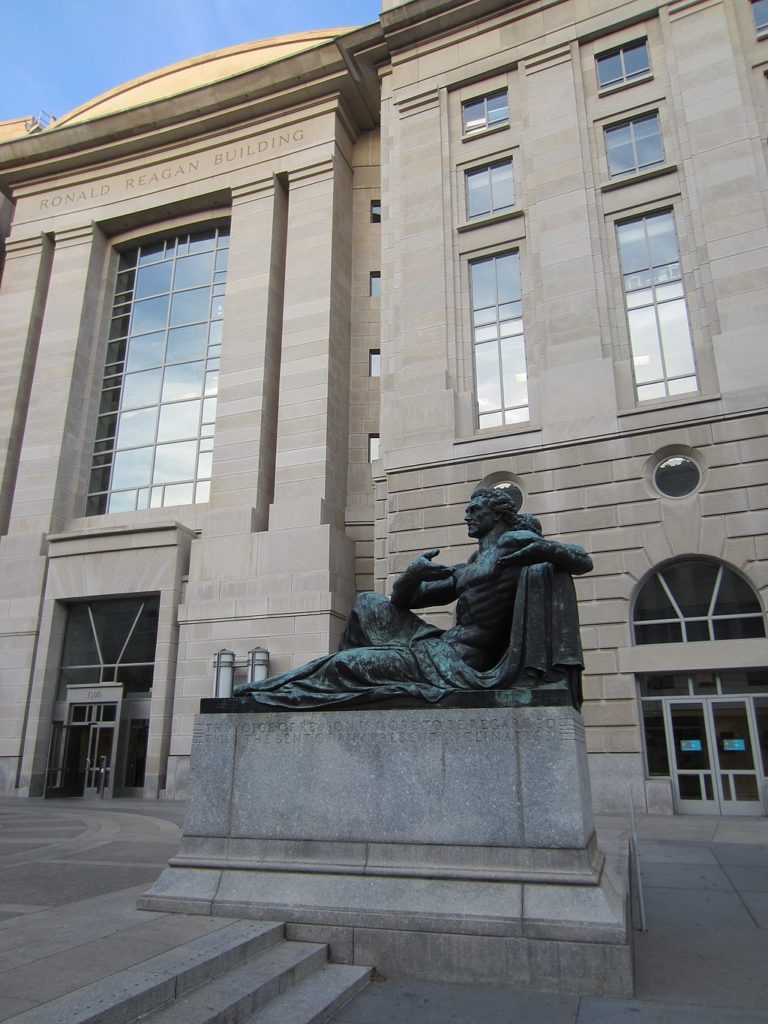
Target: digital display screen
<point>687,746</point>
<point>734,744</point>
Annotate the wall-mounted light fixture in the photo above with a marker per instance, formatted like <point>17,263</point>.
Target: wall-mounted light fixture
<point>224,664</point>
<point>254,668</point>
<point>258,664</point>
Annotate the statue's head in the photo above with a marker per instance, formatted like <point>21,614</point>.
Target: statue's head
<point>499,501</point>
<point>525,521</point>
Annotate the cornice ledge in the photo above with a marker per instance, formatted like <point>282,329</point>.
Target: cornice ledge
<point>411,22</point>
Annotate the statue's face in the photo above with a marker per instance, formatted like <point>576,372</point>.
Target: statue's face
<point>480,519</point>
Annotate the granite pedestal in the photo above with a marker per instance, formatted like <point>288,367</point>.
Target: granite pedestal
<point>444,844</point>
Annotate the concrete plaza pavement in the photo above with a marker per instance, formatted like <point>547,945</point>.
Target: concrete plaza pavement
<point>71,872</point>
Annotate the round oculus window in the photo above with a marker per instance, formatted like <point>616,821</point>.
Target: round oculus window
<point>677,476</point>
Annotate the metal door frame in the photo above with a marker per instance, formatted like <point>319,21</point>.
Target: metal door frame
<point>94,695</point>
<point>719,805</point>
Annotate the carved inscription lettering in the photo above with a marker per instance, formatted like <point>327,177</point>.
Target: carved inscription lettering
<point>76,195</point>
<point>279,731</point>
<point>551,729</point>
<point>209,730</point>
<point>157,176</point>
<point>164,174</point>
<point>255,148</point>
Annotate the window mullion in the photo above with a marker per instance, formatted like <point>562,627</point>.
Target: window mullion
<point>96,637</point>
<point>128,638</point>
<point>671,596</point>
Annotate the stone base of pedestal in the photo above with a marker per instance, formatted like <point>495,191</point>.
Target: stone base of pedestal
<point>452,845</point>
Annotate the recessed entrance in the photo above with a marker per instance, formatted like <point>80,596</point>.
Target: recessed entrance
<point>81,756</point>
<point>98,746</point>
<point>712,748</point>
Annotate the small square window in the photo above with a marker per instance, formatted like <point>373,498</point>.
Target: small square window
<point>485,112</point>
<point>634,146</point>
<point>623,65</point>
<point>374,287</point>
<point>375,211</point>
<point>374,442</point>
<point>374,363</point>
<point>490,189</point>
<point>760,14</point>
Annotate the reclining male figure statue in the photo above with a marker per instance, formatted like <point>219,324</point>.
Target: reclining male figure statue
<point>516,623</point>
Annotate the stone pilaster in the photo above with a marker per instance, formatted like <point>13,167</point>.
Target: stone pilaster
<point>48,474</point>
<point>312,428</point>
<point>25,282</point>
<point>52,452</point>
<point>244,448</point>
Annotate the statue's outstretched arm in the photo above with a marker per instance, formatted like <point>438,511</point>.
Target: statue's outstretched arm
<point>572,558</point>
<point>424,583</point>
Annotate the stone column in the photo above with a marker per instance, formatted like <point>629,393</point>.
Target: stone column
<point>417,411</point>
<point>312,427</point>
<point>48,477</point>
<point>166,660</point>
<point>52,453</point>
<point>223,599</point>
<point>22,303</point>
<point>244,447</point>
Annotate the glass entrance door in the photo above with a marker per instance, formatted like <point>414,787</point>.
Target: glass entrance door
<point>738,781</point>
<point>715,769</point>
<point>67,760</point>
<point>136,755</point>
<point>98,765</point>
<point>92,746</point>
<point>693,765</point>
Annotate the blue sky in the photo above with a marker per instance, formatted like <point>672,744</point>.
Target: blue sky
<point>59,53</point>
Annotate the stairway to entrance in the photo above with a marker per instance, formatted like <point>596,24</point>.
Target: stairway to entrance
<point>244,973</point>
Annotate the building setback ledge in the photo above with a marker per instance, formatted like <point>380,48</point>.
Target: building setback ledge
<point>111,537</point>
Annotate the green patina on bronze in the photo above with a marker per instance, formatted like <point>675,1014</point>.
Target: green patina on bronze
<point>516,626</point>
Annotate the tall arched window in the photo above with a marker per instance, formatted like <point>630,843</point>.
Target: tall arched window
<point>696,599</point>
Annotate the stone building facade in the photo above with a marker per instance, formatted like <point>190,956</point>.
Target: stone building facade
<point>268,317</point>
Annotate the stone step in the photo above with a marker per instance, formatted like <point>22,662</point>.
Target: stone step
<point>234,996</point>
<point>316,998</point>
<point>139,990</point>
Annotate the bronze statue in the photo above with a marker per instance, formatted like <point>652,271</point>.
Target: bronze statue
<point>516,625</point>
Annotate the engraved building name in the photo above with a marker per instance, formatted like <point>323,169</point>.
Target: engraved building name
<point>170,172</point>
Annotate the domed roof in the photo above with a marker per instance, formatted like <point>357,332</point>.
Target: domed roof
<point>196,72</point>
<point>16,128</point>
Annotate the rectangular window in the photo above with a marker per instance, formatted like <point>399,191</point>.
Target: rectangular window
<point>662,349</point>
<point>485,112</point>
<point>375,211</point>
<point>501,380</point>
<point>490,189</point>
<point>110,641</point>
<point>634,146</point>
<point>760,14</point>
<point>374,363</point>
<point>624,64</point>
<point>374,443</point>
<point>154,436</point>
<point>374,286</point>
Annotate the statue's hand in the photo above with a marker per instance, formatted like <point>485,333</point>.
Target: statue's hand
<point>426,571</point>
